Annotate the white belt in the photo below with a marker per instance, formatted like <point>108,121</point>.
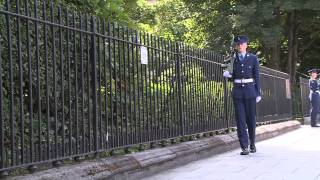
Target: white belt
<point>243,80</point>
<point>317,91</point>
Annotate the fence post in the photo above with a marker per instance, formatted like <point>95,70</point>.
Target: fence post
<point>301,97</point>
<point>1,119</point>
<point>292,96</point>
<point>178,77</point>
<point>225,101</point>
<point>93,60</point>
<point>275,96</point>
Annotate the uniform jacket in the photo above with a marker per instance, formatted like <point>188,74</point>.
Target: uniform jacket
<point>314,89</point>
<point>245,69</point>
<point>313,85</point>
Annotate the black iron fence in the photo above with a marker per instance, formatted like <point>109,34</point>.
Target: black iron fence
<point>73,85</point>
<point>276,93</point>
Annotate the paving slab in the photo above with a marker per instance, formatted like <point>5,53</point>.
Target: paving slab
<point>291,156</point>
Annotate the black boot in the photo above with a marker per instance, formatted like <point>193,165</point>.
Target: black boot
<point>253,149</point>
<point>244,151</point>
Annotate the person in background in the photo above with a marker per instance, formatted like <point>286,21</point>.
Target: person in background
<point>314,96</point>
<point>246,93</point>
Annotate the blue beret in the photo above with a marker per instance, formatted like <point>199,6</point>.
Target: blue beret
<point>241,39</point>
<point>313,71</point>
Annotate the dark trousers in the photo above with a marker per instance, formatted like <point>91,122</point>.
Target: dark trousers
<point>245,115</point>
<point>315,100</point>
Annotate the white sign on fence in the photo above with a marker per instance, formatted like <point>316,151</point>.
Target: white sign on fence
<point>288,92</point>
<point>144,55</point>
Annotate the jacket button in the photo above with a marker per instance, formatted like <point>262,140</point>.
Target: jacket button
<point>242,85</point>
<point>242,71</point>
<point>242,65</point>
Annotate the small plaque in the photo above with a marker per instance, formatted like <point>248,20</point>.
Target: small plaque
<point>288,92</point>
<point>144,55</point>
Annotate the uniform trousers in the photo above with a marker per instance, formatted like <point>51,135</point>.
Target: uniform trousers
<point>245,115</point>
<point>315,100</point>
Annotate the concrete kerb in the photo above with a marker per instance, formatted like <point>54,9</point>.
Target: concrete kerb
<point>142,164</point>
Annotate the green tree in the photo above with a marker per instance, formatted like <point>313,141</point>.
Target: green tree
<point>278,29</point>
<point>300,16</point>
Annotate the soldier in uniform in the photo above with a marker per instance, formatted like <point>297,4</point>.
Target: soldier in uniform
<point>246,93</point>
<point>314,96</point>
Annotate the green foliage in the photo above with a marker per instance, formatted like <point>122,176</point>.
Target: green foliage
<point>216,19</point>
<point>144,13</point>
<point>172,20</point>
<point>115,10</point>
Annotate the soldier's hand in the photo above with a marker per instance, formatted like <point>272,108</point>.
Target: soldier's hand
<point>258,99</point>
<point>310,95</point>
<point>227,74</point>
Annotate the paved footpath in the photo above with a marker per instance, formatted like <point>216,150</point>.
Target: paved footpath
<point>291,156</point>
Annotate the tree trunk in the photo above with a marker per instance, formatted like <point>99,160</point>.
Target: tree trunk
<point>292,47</point>
<point>274,47</point>
<point>274,58</point>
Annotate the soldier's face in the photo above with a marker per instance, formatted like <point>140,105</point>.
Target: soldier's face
<point>314,75</point>
<point>242,47</point>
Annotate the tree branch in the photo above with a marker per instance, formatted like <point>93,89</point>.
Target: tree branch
<point>306,47</point>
